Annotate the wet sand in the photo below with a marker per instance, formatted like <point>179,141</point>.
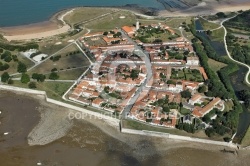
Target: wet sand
<point>94,142</point>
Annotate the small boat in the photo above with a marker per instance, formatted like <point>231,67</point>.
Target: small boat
<point>39,163</point>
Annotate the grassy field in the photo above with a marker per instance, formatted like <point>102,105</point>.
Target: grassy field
<point>246,139</point>
<point>65,62</point>
<point>13,65</point>
<point>85,14</point>
<point>228,105</point>
<point>208,25</point>
<point>131,124</point>
<point>184,111</point>
<point>187,74</point>
<point>215,65</point>
<point>113,21</point>
<point>54,90</point>
<point>71,74</point>
<point>218,35</point>
<point>176,22</point>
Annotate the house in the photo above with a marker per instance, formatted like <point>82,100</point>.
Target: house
<point>188,119</point>
<point>195,99</point>
<point>77,92</point>
<point>204,74</point>
<point>200,112</point>
<point>129,30</point>
<point>194,61</point>
<point>97,102</point>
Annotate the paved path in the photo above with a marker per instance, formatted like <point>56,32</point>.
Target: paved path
<point>226,47</point>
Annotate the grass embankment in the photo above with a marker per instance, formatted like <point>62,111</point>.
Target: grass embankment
<point>54,90</point>
<point>215,65</point>
<point>217,35</point>
<point>208,25</point>
<point>246,139</point>
<point>132,124</point>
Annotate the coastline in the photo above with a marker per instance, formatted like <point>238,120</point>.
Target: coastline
<point>99,136</point>
<point>56,24</point>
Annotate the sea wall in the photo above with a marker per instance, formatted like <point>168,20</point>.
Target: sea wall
<point>176,137</point>
<point>116,122</point>
<point>84,111</point>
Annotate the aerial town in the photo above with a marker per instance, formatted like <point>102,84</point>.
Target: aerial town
<point>145,79</point>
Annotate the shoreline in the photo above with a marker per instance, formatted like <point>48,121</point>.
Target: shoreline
<point>115,123</point>
<point>56,24</point>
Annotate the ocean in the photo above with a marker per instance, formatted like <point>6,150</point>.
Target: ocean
<point>22,12</point>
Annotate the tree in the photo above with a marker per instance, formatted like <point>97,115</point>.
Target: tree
<point>202,89</point>
<point>209,33</point>
<point>21,68</point>
<point>209,132</point>
<point>105,33</point>
<point>38,77</point>
<point>54,69</point>
<point>53,76</point>
<point>186,94</point>
<point>32,85</point>
<point>25,78</point>
<point>5,77</point>
<point>10,81</point>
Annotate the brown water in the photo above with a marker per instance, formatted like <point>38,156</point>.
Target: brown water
<point>87,145</point>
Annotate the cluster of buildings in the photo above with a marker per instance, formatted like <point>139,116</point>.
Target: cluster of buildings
<point>118,71</point>
<point>114,78</point>
<point>198,99</point>
<point>147,105</point>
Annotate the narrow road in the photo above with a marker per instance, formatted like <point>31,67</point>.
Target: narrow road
<point>145,57</point>
<point>228,53</point>
<point>226,47</point>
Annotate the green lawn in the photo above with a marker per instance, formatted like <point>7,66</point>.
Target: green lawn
<point>85,13</point>
<point>228,105</point>
<point>218,35</point>
<point>215,65</point>
<point>184,111</point>
<point>208,25</point>
<point>111,22</point>
<point>176,22</point>
<point>65,62</point>
<point>54,90</point>
<point>193,76</point>
<point>187,74</point>
<point>246,139</point>
<point>178,74</point>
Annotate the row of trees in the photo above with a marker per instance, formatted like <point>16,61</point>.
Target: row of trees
<point>218,85</point>
<point>245,96</point>
<point>239,52</point>
<point>190,128</point>
<point>13,47</point>
<point>241,22</point>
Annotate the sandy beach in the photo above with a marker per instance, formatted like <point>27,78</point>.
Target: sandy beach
<point>56,25</point>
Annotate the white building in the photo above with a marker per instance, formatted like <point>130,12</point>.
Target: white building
<point>194,61</point>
